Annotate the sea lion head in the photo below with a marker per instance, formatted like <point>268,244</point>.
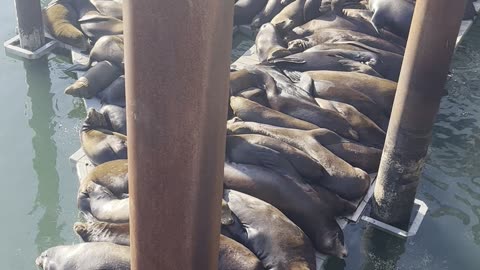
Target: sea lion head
<point>331,242</point>
<point>226,218</point>
<point>95,119</point>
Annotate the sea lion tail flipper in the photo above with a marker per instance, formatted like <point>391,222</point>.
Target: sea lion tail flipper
<point>78,67</point>
<point>293,75</point>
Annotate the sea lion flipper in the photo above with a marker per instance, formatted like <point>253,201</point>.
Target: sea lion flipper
<point>293,75</point>
<point>78,67</point>
<point>292,60</point>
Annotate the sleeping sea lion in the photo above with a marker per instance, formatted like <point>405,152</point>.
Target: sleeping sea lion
<point>256,221</point>
<point>107,48</point>
<point>60,20</point>
<point>358,155</point>
<point>312,211</point>
<point>117,118</point>
<point>393,15</point>
<point>272,8</point>
<point>251,111</point>
<point>94,80</point>
<point>245,10</point>
<point>268,43</point>
<point>109,8</point>
<point>114,94</point>
<point>85,256</point>
<point>100,144</point>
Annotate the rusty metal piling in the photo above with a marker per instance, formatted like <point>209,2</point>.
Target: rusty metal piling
<point>177,72</point>
<point>424,71</point>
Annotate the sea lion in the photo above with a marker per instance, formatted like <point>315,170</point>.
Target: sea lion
<point>117,118</point>
<point>381,91</point>
<point>100,144</point>
<point>393,15</point>
<point>94,24</point>
<point>107,48</point>
<point>94,80</point>
<point>245,10</point>
<point>369,133</point>
<point>114,93</point>
<point>314,59</point>
<point>109,8</point>
<point>103,193</point>
<point>312,211</point>
<point>240,147</point>
<point>268,44</point>
<point>251,111</point>
<point>103,232</point>
<point>295,14</point>
<point>357,155</point>
<point>286,97</point>
<point>335,35</point>
<point>60,19</point>
<point>328,90</point>
<point>233,255</point>
<point>272,8</point>
<point>269,234</point>
<point>85,256</point>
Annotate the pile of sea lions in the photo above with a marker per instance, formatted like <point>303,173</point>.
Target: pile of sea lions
<point>305,128</point>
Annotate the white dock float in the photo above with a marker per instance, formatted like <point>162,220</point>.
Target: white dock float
<point>249,57</point>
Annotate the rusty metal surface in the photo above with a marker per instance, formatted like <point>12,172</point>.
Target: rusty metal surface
<point>427,58</point>
<point>177,70</point>
<point>30,24</point>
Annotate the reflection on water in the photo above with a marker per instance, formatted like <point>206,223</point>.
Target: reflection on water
<point>449,237</point>
<point>45,152</point>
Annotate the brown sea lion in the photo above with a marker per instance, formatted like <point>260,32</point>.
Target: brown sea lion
<point>269,234</point>
<point>369,133</point>
<point>358,155</point>
<point>329,90</point>
<point>94,24</point>
<point>339,176</point>
<point>103,193</point>
<point>60,20</point>
<point>268,43</point>
<point>107,48</point>
<point>270,10</point>
<point>313,211</point>
<point>117,118</point>
<point>395,16</point>
<point>233,255</point>
<point>85,256</point>
<point>286,97</point>
<point>256,95</point>
<point>295,14</point>
<point>245,10</point>
<point>109,8</point>
<point>100,144</point>
<point>251,111</point>
<point>94,80</point>
<point>239,146</point>
<point>114,94</point>
<point>381,91</point>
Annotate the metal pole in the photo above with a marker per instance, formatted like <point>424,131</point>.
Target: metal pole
<point>427,58</point>
<point>177,73</point>
<point>30,24</point>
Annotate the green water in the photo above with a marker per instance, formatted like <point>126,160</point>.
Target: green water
<point>39,131</point>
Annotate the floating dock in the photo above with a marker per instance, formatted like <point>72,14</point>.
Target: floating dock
<point>245,55</point>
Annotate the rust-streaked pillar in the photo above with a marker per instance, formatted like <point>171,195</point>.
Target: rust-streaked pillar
<point>30,24</point>
<point>177,72</point>
<point>427,59</point>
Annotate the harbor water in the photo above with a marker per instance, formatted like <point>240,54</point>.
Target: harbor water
<point>39,131</point>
